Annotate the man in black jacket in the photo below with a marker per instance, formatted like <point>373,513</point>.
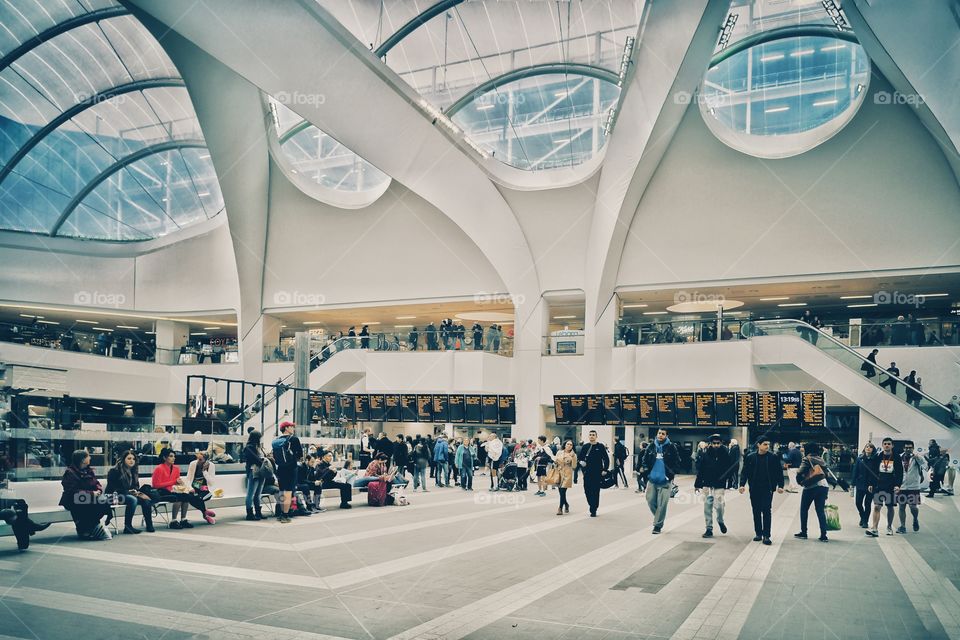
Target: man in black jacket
<point>400,455</point>
<point>893,374</point>
<point>592,462</point>
<point>712,474</point>
<point>764,473</point>
<point>660,464</point>
<point>887,468</point>
<point>619,460</point>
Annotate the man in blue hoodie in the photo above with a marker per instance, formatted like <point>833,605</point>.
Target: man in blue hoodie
<point>660,462</point>
<point>441,453</point>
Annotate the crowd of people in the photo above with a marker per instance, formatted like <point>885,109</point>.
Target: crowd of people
<point>450,335</point>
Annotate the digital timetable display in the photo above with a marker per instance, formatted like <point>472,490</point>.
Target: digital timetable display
<point>490,410</point>
<point>413,407</point>
<point>472,411</point>
<point>766,409</point>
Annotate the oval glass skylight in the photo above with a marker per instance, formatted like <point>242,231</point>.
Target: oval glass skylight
<point>784,97</point>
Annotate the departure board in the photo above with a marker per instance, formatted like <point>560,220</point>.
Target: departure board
<point>456,408</point>
<point>594,414</point>
<point>361,407</point>
<point>648,409</point>
<point>767,408</point>
<point>561,409</point>
<point>490,410</point>
<point>391,403</point>
<point>332,407</point>
<point>473,414</point>
<point>612,409</point>
<point>812,409</point>
<point>706,413</point>
<point>424,408</point>
<point>630,408</point>
<point>666,409</point>
<point>376,407</point>
<point>347,408</point>
<point>725,408</point>
<point>789,409</point>
<point>317,410</point>
<point>746,408</point>
<point>685,411</point>
<point>441,407</point>
<point>508,409</point>
<point>408,407</point>
<point>578,409</point>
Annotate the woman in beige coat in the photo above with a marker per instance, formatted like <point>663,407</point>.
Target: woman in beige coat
<point>566,462</point>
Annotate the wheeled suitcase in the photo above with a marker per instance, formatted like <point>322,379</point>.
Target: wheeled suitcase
<point>377,493</point>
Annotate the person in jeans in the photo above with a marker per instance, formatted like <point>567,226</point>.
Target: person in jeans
<point>887,468</point>
<point>813,477</point>
<point>862,479</point>
<point>660,464</point>
<point>441,451</point>
<point>124,481</point>
<point>421,462</point>
<point>253,459</point>
<point>764,473</point>
<point>712,472</point>
<point>914,477</point>
<point>465,465</point>
<point>566,463</point>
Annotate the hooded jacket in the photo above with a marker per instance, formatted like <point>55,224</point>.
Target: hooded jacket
<point>863,474</point>
<point>713,468</point>
<point>671,459</point>
<point>914,472</point>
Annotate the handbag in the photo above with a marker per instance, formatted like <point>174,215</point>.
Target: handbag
<point>608,481</point>
<point>553,476</point>
<point>814,476</point>
<point>833,517</point>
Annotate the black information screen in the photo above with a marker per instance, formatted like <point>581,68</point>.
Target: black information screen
<point>789,409</point>
<point>578,409</point>
<point>456,408</point>
<point>441,407</point>
<point>561,409</point>
<point>685,411</point>
<point>767,408</point>
<point>425,408</point>
<point>316,407</point>
<point>391,403</point>
<point>376,407</point>
<point>612,409</point>
<point>725,408</point>
<point>630,408</point>
<point>347,408</point>
<point>472,411</point>
<point>408,407</point>
<point>594,414</point>
<point>332,406</point>
<point>361,406</point>
<point>490,410</point>
<point>746,408</point>
<point>811,409</point>
<point>706,412</point>
<point>508,409</point>
<point>648,409</point>
<point>666,409</point>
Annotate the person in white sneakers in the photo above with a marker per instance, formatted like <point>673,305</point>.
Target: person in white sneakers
<point>494,449</point>
<point>915,480</point>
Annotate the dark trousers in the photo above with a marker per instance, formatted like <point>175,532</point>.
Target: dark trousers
<point>563,497</point>
<point>17,515</point>
<point>761,503</point>
<point>193,499</point>
<point>935,481</point>
<point>146,506</point>
<point>641,481</point>
<point>817,496</point>
<point>620,474</point>
<point>87,516</point>
<point>864,500</point>
<point>591,489</point>
<point>346,490</point>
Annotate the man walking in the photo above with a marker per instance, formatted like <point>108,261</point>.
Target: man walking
<point>712,472</point>
<point>592,462</point>
<point>619,460</point>
<point>914,481</point>
<point>764,473</point>
<point>660,462</point>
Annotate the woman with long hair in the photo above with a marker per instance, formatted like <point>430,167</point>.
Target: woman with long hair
<point>169,487</point>
<point>253,460</point>
<point>124,481</point>
<point>83,498</point>
<point>566,462</point>
<point>863,479</point>
<point>201,474</point>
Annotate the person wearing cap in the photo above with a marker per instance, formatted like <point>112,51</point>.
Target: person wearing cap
<point>712,471</point>
<point>764,473</point>
<point>287,452</point>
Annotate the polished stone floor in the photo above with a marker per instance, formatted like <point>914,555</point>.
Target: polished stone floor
<point>481,565</point>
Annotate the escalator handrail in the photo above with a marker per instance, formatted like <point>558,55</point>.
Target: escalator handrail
<point>787,322</point>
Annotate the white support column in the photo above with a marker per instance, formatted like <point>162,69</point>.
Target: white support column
<point>170,336</point>
<point>527,341</point>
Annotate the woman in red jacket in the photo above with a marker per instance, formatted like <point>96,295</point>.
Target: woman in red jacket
<point>165,477</point>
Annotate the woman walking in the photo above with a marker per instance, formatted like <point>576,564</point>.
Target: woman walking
<point>863,480</point>
<point>566,462</point>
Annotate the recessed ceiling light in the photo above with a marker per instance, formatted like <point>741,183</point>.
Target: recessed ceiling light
<point>777,109</point>
<point>563,317</point>
<point>313,322</point>
<point>403,326</point>
<point>635,306</point>
<point>198,333</point>
<point>825,103</point>
<point>855,306</point>
<point>368,323</point>
<point>47,322</point>
<point>932,295</point>
<point>772,299</point>
<point>104,329</point>
<point>833,47</point>
<point>127,326</point>
<point>802,52</point>
<point>96,407</point>
<point>855,297</point>
<point>27,315</point>
<point>406,317</point>
<point>772,57</point>
<point>654,313</point>
<point>210,328</point>
<point>87,321</point>
<point>792,304</point>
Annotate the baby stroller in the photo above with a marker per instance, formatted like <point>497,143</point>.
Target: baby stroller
<point>510,476</point>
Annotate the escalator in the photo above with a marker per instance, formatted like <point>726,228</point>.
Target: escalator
<point>794,342</point>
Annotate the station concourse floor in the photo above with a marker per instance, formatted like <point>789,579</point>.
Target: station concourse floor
<point>492,565</point>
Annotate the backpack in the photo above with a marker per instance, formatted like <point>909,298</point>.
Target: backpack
<point>282,451</point>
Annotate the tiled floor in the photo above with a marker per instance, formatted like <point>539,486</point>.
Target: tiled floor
<point>459,565</point>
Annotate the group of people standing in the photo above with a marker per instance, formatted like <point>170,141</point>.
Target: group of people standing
<point>453,336</point>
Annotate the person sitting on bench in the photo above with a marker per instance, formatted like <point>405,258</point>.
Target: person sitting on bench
<point>376,470</point>
<point>124,481</point>
<point>169,487</point>
<point>83,498</point>
<point>16,513</point>
<point>328,480</point>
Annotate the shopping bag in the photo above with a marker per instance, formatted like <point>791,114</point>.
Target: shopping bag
<point>833,517</point>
